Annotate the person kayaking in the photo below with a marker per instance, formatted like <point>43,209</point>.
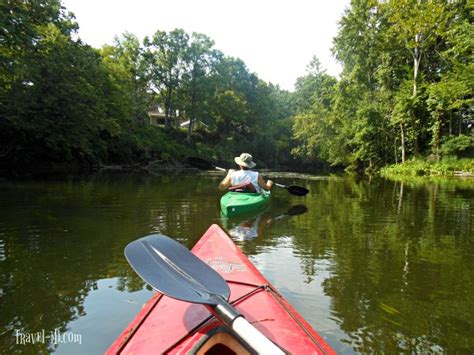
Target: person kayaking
<point>245,180</point>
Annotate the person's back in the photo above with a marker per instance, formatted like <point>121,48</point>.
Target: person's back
<point>245,177</point>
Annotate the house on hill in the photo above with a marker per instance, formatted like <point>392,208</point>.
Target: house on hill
<point>157,117</point>
<point>197,124</point>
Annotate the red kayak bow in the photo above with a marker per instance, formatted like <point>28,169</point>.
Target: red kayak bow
<point>167,325</point>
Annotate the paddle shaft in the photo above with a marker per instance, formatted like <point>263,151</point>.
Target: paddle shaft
<point>253,337</point>
<point>221,169</point>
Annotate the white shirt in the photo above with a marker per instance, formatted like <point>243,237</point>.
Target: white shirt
<point>245,176</point>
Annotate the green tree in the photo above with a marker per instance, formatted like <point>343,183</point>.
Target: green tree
<point>201,60</point>
<point>406,78</point>
<point>64,109</point>
<point>234,93</point>
<point>55,106</point>
<point>451,99</point>
<point>125,59</point>
<point>312,124</point>
<point>165,53</point>
<point>418,25</point>
<point>22,25</point>
<point>231,112</point>
<point>360,120</point>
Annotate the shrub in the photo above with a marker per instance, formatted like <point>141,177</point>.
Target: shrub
<point>458,146</point>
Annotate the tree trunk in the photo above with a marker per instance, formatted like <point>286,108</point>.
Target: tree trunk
<point>395,150</point>
<point>416,142</point>
<point>450,124</point>
<point>416,67</point>
<point>168,109</point>
<point>436,135</point>
<point>167,114</point>
<point>402,137</point>
<point>416,63</point>
<point>191,118</point>
<point>190,127</point>
<point>172,110</point>
<point>193,107</point>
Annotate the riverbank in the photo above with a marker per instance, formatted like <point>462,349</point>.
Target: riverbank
<point>424,168</point>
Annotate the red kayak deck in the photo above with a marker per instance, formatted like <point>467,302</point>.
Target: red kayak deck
<point>166,325</point>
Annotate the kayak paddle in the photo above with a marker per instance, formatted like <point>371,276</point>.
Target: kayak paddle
<point>294,190</point>
<point>173,270</point>
<point>205,165</point>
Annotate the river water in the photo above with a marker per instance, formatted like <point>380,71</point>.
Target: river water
<point>372,265</point>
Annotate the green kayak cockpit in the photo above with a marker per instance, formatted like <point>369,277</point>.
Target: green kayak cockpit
<point>237,203</point>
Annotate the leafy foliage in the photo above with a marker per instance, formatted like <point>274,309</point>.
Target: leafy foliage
<point>63,101</point>
<point>406,90</point>
<point>458,146</point>
<point>406,86</point>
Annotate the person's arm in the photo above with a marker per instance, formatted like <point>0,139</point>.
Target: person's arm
<point>265,185</point>
<point>227,181</point>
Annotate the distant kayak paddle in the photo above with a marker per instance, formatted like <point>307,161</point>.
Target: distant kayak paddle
<point>294,190</point>
<point>203,164</point>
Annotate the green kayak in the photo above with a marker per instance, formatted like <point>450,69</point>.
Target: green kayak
<point>237,203</point>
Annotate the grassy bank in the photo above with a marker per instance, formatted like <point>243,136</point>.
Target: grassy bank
<point>418,167</point>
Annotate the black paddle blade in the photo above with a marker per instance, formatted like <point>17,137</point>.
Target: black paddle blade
<point>173,270</point>
<point>297,190</point>
<point>200,163</point>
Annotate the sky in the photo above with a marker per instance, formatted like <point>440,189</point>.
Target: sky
<point>276,39</point>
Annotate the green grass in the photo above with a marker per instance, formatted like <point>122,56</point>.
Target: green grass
<point>418,167</point>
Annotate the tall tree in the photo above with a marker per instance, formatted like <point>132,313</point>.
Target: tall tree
<point>166,53</point>
<point>200,59</point>
<point>418,26</point>
<point>312,123</point>
<point>450,100</point>
<point>54,106</point>
<point>359,119</point>
<point>126,59</point>
<point>395,77</point>
<point>60,111</point>
<point>234,92</point>
<point>23,25</point>
<point>231,111</point>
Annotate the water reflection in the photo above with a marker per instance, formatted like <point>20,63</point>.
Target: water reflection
<point>399,264</point>
<point>375,266</point>
<point>250,227</point>
<point>59,239</point>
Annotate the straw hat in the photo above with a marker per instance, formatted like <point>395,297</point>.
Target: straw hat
<point>245,159</point>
